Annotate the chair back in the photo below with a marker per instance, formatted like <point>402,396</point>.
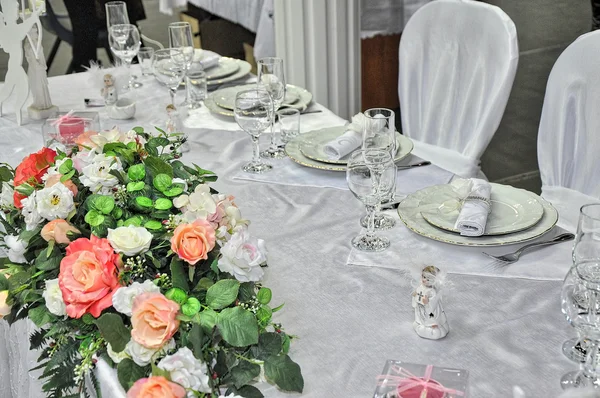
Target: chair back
<point>50,21</point>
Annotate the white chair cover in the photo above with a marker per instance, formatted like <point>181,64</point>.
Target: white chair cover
<point>458,60</point>
<point>569,134</point>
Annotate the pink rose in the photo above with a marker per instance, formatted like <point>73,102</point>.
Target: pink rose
<point>57,230</point>
<point>85,140</point>
<point>155,387</point>
<point>192,242</point>
<point>154,319</point>
<point>88,276</point>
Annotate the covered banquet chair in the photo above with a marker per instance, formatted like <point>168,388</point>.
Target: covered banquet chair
<point>458,60</point>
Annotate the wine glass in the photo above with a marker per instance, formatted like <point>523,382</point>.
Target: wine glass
<point>586,247</point>
<point>116,14</point>
<point>370,174</point>
<point>180,37</point>
<point>125,43</point>
<point>169,69</point>
<point>272,79</point>
<point>254,113</point>
<point>379,132</point>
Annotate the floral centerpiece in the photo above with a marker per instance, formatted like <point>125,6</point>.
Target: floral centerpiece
<point>118,251</point>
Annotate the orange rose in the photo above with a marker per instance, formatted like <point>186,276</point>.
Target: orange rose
<point>55,179</point>
<point>192,242</point>
<point>57,230</point>
<point>155,387</point>
<point>85,140</point>
<point>32,169</point>
<point>153,319</point>
<point>88,276</point>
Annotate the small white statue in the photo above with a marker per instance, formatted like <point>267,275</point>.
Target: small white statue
<point>42,107</point>
<point>430,318</point>
<point>109,91</point>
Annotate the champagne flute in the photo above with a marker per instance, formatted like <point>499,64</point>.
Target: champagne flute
<point>272,79</point>
<point>168,69</point>
<point>180,37</point>
<point>116,14</point>
<point>125,43</point>
<point>254,113</point>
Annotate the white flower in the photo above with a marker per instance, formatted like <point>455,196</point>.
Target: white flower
<point>242,256</point>
<point>116,356</point>
<point>106,136</point>
<point>6,196</point>
<point>83,158</point>
<point>130,240</point>
<point>96,175</point>
<point>186,370</point>
<point>54,299</point>
<point>30,212</point>
<point>16,248</point>
<point>55,202</point>
<point>199,204</point>
<point>122,299</point>
<point>142,355</point>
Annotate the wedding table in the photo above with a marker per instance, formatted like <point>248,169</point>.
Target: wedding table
<point>350,311</point>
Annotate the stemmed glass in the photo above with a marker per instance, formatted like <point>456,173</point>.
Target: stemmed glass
<point>272,79</point>
<point>169,69</point>
<point>125,43</point>
<point>370,174</point>
<point>254,113</point>
<point>116,14</point>
<point>379,132</point>
<point>180,37</point>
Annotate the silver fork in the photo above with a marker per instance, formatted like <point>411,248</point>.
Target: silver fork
<point>514,257</point>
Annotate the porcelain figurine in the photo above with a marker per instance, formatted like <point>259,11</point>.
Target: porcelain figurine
<point>430,318</point>
<point>174,123</point>
<point>109,92</point>
<point>41,107</point>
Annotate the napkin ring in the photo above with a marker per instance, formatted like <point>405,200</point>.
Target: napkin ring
<point>474,198</point>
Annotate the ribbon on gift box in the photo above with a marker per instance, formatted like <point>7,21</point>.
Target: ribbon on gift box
<point>69,127</point>
<point>404,381</point>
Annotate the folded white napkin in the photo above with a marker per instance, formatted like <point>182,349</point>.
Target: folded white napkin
<point>474,213</point>
<point>207,58</point>
<point>347,142</point>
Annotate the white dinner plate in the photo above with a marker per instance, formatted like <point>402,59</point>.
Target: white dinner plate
<point>313,145</point>
<point>212,106</point>
<point>410,215</point>
<point>243,70</point>
<point>513,210</point>
<point>225,67</point>
<point>225,97</point>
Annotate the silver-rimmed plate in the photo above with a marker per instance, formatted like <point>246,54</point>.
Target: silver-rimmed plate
<point>212,106</point>
<point>244,69</point>
<point>410,214</point>
<point>313,145</point>
<point>225,67</point>
<point>225,97</point>
<point>513,210</point>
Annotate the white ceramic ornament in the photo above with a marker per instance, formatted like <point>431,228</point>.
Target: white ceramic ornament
<point>42,107</point>
<point>430,318</point>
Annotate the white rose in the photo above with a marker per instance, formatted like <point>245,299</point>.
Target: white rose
<point>30,212</point>
<point>123,298</point>
<point>16,248</point>
<point>83,158</point>
<point>54,299</point>
<point>186,370</point>
<point>242,256</point>
<point>142,355</point>
<point>6,196</point>
<point>106,136</point>
<point>130,240</point>
<point>199,204</point>
<point>96,176</point>
<point>115,356</point>
<point>55,202</point>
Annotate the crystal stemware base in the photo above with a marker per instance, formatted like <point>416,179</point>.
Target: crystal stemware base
<point>373,243</point>
<point>381,221</point>
<point>273,153</point>
<point>256,167</point>
<point>577,379</point>
<point>575,349</point>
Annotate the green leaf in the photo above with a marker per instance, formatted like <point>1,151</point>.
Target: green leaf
<point>264,295</point>
<point>118,175</point>
<point>144,202</point>
<point>238,327</point>
<point>173,191</point>
<point>158,142</point>
<point>264,314</point>
<point>25,189</point>
<point>156,371</point>
<point>286,343</point>
<point>208,319</point>
<point>178,275</point>
<point>135,186</point>
<point>5,174</point>
<point>94,218</point>
<point>204,284</point>
<point>278,307</point>
<point>45,263</point>
<point>222,293</point>
<point>246,291</point>
<point>138,130</point>
<point>153,225</point>
<point>3,283</point>
<point>67,176</point>
<point>158,166</point>
<point>195,337</point>
<point>137,172</point>
<point>88,319</point>
<point>191,307</point>
<point>136,221</point>
<point>104,204</point>
<point>128,372</point>
<point>285,373</point>
<point>244,373</point>
<point>177,295</point>
<point>249,392</point>
<point>40,316</point>
<point>163,204</point>
<point>114,331</point>
<point>66,166</point>
<point>162,182</point>
<point>117,212</point>
<point>269,345</point>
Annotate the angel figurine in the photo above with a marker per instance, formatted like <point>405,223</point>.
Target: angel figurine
<point>109,91</point>
<point>174,123</point>
<point>430,318</point>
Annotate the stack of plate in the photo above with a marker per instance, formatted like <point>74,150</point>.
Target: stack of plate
<point>222,101</point>
<point>517,216</point>
<point>308,149</point>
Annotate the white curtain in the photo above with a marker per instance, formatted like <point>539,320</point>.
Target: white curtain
<point>458,60</point>
<point>569,134</point>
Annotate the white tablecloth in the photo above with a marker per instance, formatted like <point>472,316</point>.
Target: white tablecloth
<point>350,319</point>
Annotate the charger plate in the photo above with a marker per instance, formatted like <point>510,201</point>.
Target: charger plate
<point>513,210</point>
<point>412,218</point>
<point>225,97</point>
<point>243,69</point>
